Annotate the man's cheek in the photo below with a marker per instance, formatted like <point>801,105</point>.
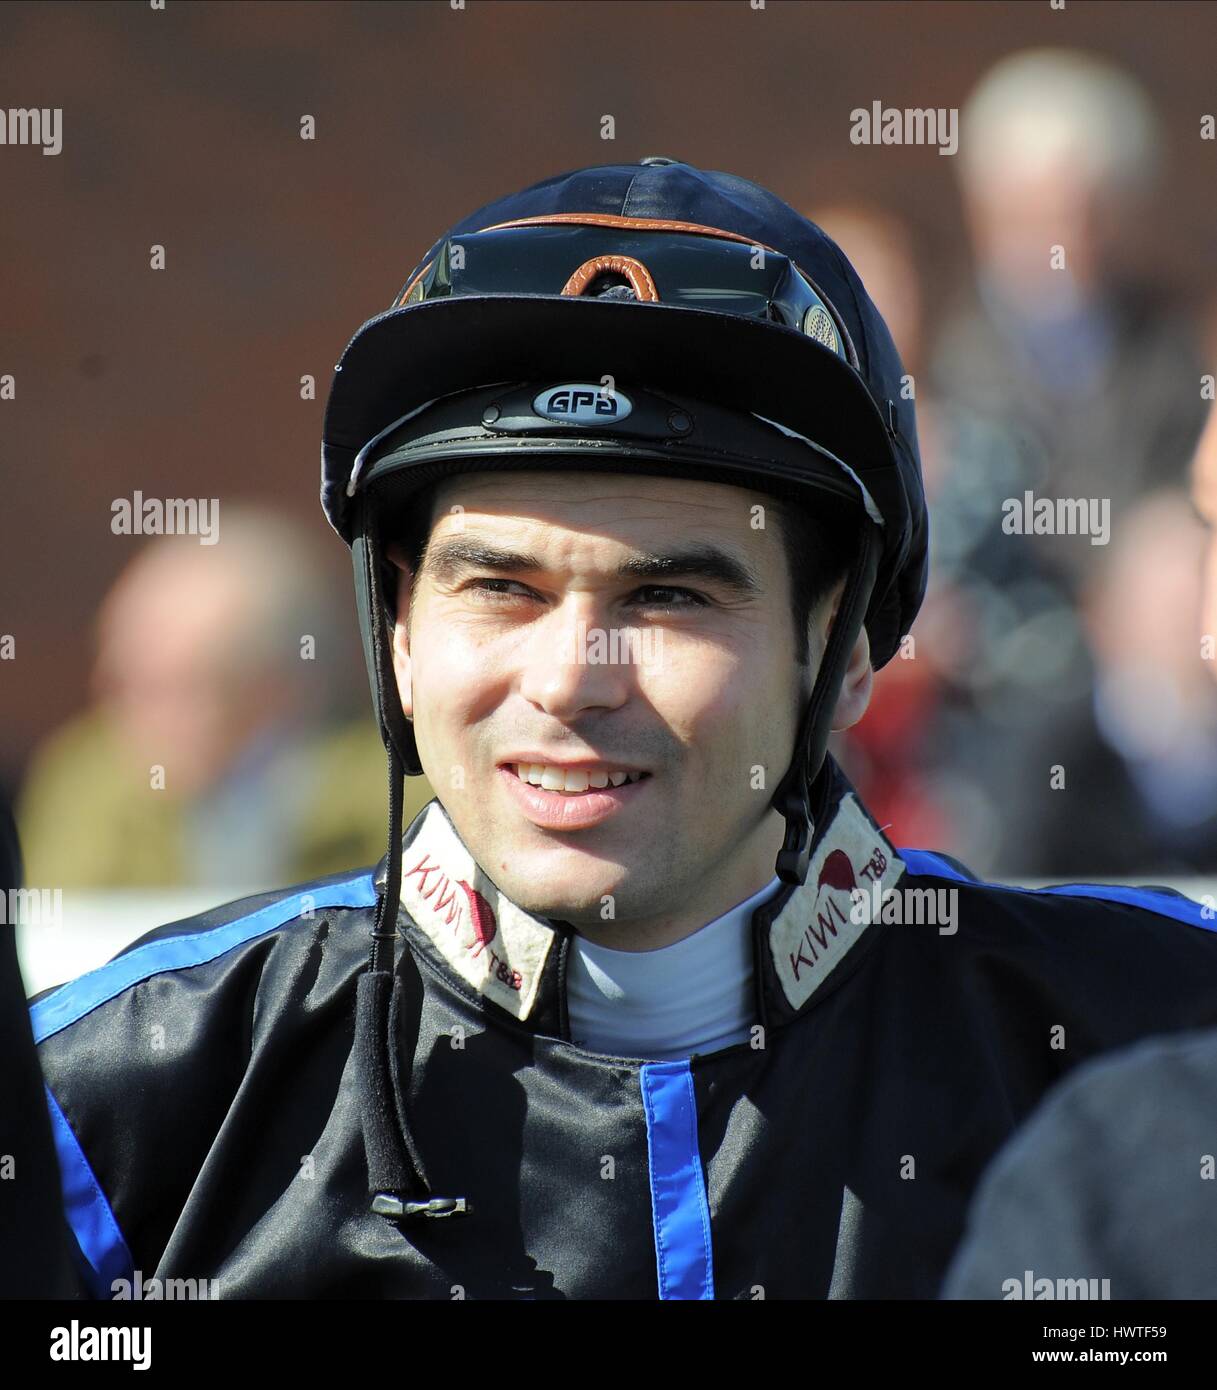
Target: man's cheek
<point>469,673</point>
<point>694,691</point>
<point>725,713</point>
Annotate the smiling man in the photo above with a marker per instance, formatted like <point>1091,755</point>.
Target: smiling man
<point>634,500</point>
<point>614,784</point>
<point>594,781</point>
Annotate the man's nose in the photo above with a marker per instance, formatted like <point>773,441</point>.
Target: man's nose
<point>573,661</point>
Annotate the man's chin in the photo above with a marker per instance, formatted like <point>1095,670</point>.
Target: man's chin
<point>572,905</point>
<point>575,888</point>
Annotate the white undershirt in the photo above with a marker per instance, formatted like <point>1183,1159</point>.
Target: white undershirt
<point>693,996</point>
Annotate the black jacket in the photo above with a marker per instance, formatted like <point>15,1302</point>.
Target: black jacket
<point>209,1105</point>
<point>1109,1187</point>
<point>35,1258</point>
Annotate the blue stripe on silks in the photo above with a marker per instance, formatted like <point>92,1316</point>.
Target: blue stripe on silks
<point>88,1212</point>
<point>925,861</point>
<point>71,1001</point>
<point>679,1209</point>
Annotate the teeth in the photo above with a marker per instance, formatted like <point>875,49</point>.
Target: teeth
<point>557,779</point>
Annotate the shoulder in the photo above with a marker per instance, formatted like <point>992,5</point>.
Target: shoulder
<point>1105,906</point>
<point>1108,963</point>
<point>143,1058</point>
<point>197,954</point>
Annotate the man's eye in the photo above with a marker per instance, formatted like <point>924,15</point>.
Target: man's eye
<point>482,588</point>
<point>650,596</point>
<point>687,595</point>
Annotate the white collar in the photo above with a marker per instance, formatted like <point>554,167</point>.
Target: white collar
<point>695,995</point>
<point>501,951</point>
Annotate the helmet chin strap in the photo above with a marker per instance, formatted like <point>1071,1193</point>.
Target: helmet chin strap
<point>397,1181</point>
<point>793,795</point>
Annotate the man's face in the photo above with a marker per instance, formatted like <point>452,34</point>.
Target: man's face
<point>530,643</point>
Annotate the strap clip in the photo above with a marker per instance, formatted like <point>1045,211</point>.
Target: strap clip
<point>386,1204</point>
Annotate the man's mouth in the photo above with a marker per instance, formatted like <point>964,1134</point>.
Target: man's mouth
<point>573,781</point>
<point>577,797</point>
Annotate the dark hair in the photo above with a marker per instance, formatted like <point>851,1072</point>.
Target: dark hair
<point>819,545</point>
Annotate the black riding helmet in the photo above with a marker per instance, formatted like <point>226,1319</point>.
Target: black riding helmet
<point>647,317</point>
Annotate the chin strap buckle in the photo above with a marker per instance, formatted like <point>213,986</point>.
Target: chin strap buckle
<point>386,1204</point>
<point>794,858</point>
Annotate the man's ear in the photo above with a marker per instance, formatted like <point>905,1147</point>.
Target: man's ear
<point>857,686</point>
<point>859,681</point>
<point>401,636</point>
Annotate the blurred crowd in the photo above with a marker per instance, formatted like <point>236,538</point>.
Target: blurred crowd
<point>226,743</point>
<point>1056,713</point>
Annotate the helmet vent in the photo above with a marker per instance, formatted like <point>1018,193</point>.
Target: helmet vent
<point>612,287</point>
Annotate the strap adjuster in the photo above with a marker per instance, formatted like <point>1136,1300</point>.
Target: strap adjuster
<point>386,1204</point>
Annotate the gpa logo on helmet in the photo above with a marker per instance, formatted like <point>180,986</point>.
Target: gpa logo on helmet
<point>578,403</point>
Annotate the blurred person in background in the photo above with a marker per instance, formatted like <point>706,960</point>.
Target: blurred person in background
<point>1063,342</point>
<point>214,752</point>
<point>1204,496</point>
<point>1139,759</point>
<point>1061,371</point>
<point>1204,493</point>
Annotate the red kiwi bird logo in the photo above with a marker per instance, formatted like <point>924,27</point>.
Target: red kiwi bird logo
<point>481,917</point>
<point>837,872</point>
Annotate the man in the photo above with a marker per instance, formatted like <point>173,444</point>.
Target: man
<point>653,1008</point>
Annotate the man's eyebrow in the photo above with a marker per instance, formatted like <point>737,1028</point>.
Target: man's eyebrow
<point>444,560</point>
<point>702,561</point>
